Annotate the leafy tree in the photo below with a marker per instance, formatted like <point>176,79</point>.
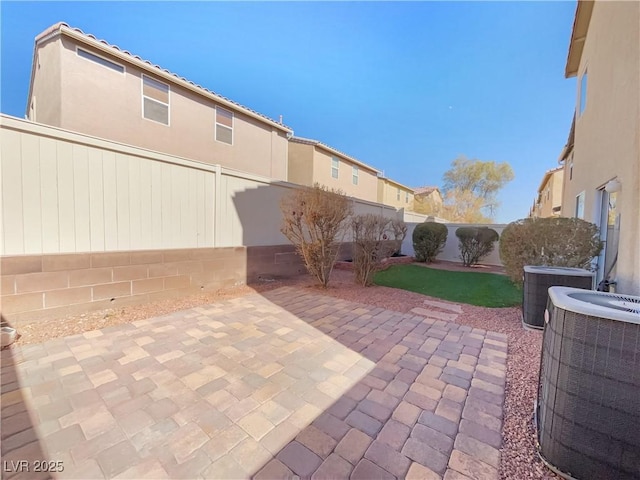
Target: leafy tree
<point>475,184</point>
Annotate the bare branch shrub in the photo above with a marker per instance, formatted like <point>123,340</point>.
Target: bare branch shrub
<point>374,239</point>
<point>475,243</point>
<point>315,221</point>
<point>558,242</point>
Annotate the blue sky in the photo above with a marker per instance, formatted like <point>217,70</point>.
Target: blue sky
<point>403,86</point>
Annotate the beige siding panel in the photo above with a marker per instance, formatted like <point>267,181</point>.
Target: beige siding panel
<point>110,201</point>
<point>30,155</point>
<point>66,197</point>
<point>82,211</point>
<point>191,213</point>
<point>200,209</point>
<point>177,183</point>
<point>156,205</point>
<point>13,227</point>
<point>96,200</point>
<point>49,196</point>
<point>123,203</point>
<point>145,204</point>
<point>165,206</point>
<point>209,190</point>
<point>135,218</point>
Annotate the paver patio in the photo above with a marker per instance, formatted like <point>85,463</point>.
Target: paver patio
<point>287,383</point>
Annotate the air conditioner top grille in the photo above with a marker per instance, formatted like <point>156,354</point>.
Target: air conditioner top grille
<point>625,308</point>
<point>567,271</point>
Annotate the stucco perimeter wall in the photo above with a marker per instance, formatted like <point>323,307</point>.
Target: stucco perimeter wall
<point>451,251</point>
<point>85,221</point>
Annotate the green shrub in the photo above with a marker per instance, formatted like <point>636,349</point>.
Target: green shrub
<point>475,243</point>
<point>557,241</point>
<point>428,240</point>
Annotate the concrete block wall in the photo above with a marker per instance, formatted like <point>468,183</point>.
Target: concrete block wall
<point>36,287</point>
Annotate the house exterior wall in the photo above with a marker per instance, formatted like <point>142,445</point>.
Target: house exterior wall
<point>388,194</point>
<point>300,163</point>
<point>367,187</point>
<point>98,101</point>
<point>550,196</point>
<point>607,133</point>
<point>44,105</point>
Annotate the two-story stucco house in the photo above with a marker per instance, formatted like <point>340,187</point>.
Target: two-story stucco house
<point>602,157</point>
<point>311,161</point>
<point>549,200</point>
<point>86,85</point>
<point>394,194</point>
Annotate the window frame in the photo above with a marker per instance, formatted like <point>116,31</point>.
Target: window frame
<point>398,194</point>
<point>216,123</point>
<point>406,197</point>
<point>582,94</point>
<point>580,200</point>
<point>143,96</point>
<point>92,54</point>
<point>335,167</point>
<point>354,174</point>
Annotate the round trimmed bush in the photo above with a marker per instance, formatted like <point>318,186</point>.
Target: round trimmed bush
<point>475,243</point>
<point>428,240</point>
<point>554,241</point>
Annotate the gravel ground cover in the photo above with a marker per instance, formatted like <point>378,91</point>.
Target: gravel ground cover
<point>518,459</point>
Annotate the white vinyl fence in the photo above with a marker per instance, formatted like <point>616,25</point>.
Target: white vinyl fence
<point>64,192</point>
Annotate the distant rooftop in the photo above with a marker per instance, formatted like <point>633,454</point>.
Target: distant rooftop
<point>317,143</point>
<point>426,190</point>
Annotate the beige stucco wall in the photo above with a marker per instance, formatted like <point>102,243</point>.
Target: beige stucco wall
<point>46,85</point>
<point>300,163</point>
<point>554,199</point>
<point>367,188</point>
<point>101,102</point>
<point>607,134</point>
<point>388,194</point>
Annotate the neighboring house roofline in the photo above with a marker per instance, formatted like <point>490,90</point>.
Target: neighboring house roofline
<point>578,36</point>
<point>547,175</point>
<point>426,190</point>
<point>396,183</point>
<point>103,46</point>
<point>333,151</point>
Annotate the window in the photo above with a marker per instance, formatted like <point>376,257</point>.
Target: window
<point>580,206</point>
<point>224,125</point>
<point>155,100</point>
<point>406,197</point>
<point>335,163</point>
<point>571,168</point>
<point>398,195</point>
<point>355,175</point>
<point>100,60</point>
<point>583,93</point>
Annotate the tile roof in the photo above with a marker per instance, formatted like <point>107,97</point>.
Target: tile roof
<point>317,143</point>
<point>426,190</point>
<point>62,27</point>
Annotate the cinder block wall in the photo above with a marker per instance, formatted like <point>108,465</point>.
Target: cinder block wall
<point>36,287</point>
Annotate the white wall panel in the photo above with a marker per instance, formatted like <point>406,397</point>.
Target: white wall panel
<point>12,214</point>
<point>49,195</point>
<point>96,199</point>
<point>66,207</point>
<point>31,205</point>
<point>82,211</point>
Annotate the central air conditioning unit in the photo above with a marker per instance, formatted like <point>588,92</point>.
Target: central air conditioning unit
<point>588,406</point>
<point>537,281</point>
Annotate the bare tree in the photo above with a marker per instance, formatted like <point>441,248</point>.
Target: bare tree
<point>315,221</point>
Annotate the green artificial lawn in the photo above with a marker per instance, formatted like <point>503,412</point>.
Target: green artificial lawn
<point>474,288</point>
